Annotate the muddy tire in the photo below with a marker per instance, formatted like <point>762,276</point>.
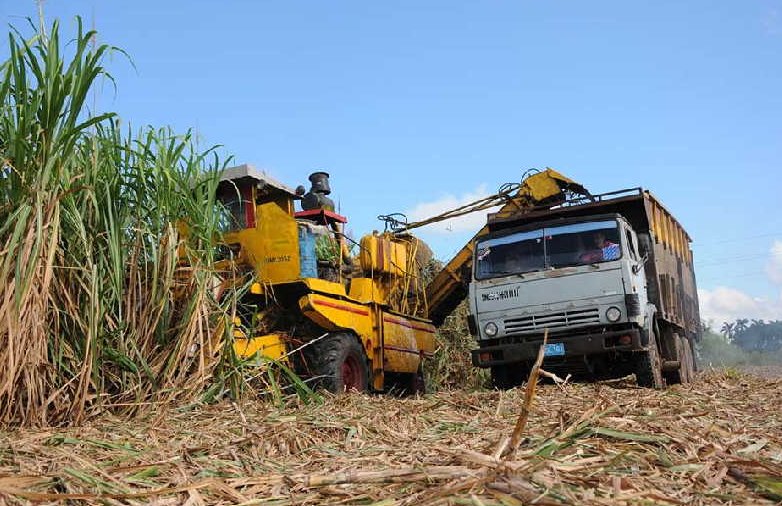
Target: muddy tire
<point>338,364</point>
<point>677,352</point>
<point>648,366</point>
<point>505,377</point>
<point>689,353</point>
<point>684,355</point>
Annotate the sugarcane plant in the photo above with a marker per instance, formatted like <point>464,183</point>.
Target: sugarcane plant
<point>104,302</point>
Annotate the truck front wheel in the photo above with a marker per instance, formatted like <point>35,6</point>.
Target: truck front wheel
<point>338,363</point>
<point>648,366</point>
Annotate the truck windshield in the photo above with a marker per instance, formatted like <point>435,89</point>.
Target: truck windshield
<point>550,247</point>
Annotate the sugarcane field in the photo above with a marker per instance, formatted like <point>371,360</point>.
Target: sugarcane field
<point>185,321</point>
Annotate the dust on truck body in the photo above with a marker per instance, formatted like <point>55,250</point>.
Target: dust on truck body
<point>610,277</point>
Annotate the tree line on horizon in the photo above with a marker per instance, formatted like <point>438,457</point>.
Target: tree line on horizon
<point>754,334</point>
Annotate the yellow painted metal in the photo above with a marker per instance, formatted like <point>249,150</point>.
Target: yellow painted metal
<point>381,254</point>
<point>272,246</point>
<point>368,290</point>
<point>270,346</point>
<point>667,230</point>
<point>405,340</point>
<point>325,286</point>
<point>334,314</point>
<point>393,342</point>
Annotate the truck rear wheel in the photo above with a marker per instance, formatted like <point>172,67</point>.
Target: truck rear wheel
<point>686,367</point>
<point>690,359</point>
<point>338,363</point>
<point>648,366</point>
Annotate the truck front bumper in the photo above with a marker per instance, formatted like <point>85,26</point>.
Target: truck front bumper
<point>579,345</point>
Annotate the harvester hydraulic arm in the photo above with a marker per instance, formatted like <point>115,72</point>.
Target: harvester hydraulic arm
<point>546,188</point>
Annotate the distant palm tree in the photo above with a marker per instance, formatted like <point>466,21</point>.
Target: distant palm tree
<point>728,329</point>
<point>741,325</point>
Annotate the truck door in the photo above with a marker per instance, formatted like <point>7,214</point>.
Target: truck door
<point>635,287</point>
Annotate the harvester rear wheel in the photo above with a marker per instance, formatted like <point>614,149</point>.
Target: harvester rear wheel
<point>338,363</point>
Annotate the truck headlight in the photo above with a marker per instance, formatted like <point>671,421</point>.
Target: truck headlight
<point>613,314</point>
<point>490,329</point>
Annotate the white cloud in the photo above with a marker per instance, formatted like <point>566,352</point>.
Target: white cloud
<point>725,304</point>
<point>468,223</point>
<point>774,265</point>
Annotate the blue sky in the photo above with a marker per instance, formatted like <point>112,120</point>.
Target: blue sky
<point>419,105</point>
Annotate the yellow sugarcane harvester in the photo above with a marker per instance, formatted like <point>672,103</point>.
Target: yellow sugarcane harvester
<point>361,323</point>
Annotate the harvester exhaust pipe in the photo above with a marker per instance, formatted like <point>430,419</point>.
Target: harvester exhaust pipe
<point>317,198</point>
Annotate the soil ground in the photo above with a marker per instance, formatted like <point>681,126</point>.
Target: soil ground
<point>717,441</point>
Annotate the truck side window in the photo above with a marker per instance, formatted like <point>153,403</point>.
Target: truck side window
<point>631,245</point>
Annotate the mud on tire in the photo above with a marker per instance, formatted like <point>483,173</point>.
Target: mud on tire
<point>686,369</point>
<point>648,365</point>
<point>338,363</point>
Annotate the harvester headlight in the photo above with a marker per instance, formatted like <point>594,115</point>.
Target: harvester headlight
<point>613,314</point>
<point>490,329</point>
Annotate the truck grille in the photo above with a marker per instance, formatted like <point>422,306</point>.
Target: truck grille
<point>552,320</point>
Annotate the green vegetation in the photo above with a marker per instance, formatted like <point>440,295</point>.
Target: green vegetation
<point>754,335</point>
<point>451,367</point>
<point>718,350</point>
<point>103,301</point>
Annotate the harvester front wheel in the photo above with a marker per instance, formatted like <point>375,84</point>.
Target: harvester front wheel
<point>339,363</point>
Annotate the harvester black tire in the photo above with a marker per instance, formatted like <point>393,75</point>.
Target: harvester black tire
<point>648,366</point>
<point>507,376</point>
<point>338,363</point>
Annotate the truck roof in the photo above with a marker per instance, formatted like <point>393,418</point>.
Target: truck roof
<point>640,207</point>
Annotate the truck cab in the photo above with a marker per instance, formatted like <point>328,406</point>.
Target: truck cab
<point>583,279</point>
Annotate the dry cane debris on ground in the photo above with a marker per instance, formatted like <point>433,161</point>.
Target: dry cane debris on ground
<point>718,441</point>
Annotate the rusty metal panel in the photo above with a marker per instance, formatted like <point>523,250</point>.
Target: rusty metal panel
<point>672,268</point>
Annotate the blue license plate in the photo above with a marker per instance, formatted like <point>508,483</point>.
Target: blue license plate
<point>554,350</point>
